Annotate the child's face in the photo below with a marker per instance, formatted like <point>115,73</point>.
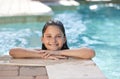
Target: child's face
<point>53,38</point>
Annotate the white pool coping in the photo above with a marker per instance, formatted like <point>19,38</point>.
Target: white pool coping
<point>23,7</point>
<point>31,7</point>
<point>60,69</point>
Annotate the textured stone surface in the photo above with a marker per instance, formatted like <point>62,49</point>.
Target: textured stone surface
<point>75,70</point>
<point>9,73</point>
<point>7,67</point>
<point>33,71</point>
<point>41,77</point>
<point>18,77</point>
<point>23,7</point>
<point>49,69</point>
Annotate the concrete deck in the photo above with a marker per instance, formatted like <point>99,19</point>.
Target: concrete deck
<point>23,7</point>
<point>48,69</point>
<point>15,11</point>
<point>37,7</point>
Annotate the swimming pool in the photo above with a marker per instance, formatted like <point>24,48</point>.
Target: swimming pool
<point>95,26</point>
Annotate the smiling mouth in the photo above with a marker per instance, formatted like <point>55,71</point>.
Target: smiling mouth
<point>53,44</point>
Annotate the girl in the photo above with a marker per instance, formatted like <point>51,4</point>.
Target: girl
<point>54,45</point>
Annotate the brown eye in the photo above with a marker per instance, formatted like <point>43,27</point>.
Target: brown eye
<point>59,36</point>
<point>48,36</point>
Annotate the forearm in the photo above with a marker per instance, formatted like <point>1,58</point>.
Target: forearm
<point>24,53</point>
<point>84,53</point>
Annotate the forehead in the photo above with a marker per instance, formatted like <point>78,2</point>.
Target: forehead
<point>53,28</point>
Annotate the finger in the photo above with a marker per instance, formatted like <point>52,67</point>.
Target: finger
<point>53,58</point>
<point>46,54</point>
<point>54,52</point>
<point>42,51</point>
<point>62,57</point>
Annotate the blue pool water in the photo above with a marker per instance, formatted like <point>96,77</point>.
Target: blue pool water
<point>95,26</point>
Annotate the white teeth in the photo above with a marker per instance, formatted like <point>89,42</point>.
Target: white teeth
<point>53,44</point>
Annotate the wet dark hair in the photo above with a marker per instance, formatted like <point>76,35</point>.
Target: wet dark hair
<point>60,26</point>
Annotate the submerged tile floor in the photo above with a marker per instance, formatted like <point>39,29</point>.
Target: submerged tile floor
<point>48,69</point>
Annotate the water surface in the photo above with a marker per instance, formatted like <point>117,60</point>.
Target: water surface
<point>95,26</point>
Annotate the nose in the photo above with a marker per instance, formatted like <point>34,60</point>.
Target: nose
<point>53,40</point>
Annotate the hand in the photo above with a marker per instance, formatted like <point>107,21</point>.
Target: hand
<point>41,51</point>
<point>56,57</point>
<point>49,53</point>
<point>52,58</point>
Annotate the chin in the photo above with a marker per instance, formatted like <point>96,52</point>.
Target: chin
<point>54,49</point>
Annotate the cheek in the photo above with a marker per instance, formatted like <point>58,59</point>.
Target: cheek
<point>44,40</point>
<point>61,42</point>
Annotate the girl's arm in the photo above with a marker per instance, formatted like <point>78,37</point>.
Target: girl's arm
<point>31,53</point>
<point>84,53</point>
<point>25,53</point>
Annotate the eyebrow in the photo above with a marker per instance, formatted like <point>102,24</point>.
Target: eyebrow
<point>50,34</point>
<point>56,34</point>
